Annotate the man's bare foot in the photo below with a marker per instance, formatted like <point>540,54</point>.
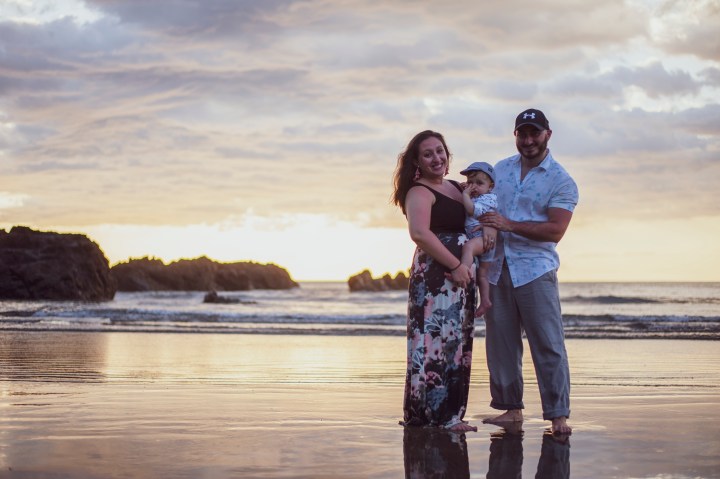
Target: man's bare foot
<point>462,427</point>
<point>483,308</point>
<point>513,415</point>
<point>563,439</point>
<point>560,427</point>
<point>510,429</point>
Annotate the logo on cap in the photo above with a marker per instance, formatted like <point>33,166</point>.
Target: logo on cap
<point>533,117</point>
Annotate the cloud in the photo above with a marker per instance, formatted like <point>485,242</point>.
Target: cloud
<point>212,19</point>
<point>688,28</point>
<point>184,112</point>
<point>10,200</point>
<point>656,81</point>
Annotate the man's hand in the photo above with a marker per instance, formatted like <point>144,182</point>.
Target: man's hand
<point>497,221</point>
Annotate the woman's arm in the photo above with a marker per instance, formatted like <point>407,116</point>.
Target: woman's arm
<point>418,204</point>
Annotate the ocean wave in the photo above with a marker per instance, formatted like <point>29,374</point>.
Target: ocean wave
<point>595,310</point>
<point>576,326</point>
<point>625,318</point>
<point>611,299</point>
<point>608,300</point>
<point>160,316</point>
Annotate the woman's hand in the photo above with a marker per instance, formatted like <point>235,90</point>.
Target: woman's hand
<point>489,238</point>
<point>461,276</point>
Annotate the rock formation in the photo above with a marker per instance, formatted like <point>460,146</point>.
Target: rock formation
<point>38,265</point>
<point>214,297</point>
<point>365,282</point>
<point>199,274</point>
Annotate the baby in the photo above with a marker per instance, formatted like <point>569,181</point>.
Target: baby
<point>478,199</point>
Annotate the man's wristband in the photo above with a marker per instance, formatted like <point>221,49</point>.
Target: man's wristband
<point>456,267</point>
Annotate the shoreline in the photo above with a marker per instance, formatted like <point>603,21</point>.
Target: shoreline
<point>92,405</point>
<point>640,311</point>
<point>359,332</point>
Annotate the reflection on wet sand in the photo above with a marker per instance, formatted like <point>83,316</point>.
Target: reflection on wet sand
<point>37,357</point>
<point>506,456</point>
<point>554,458</point>
<point>149,405</point>
<point>435,454</point>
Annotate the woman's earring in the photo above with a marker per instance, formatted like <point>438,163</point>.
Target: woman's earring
<point>417,174</point>
<point>447,170</point>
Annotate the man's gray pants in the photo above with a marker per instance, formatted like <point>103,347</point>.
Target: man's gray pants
<point>534,308</point>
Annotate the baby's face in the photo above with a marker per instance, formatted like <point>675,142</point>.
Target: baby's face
<point>482,184</point>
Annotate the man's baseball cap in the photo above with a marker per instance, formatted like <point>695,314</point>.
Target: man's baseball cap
<point>480,166</point>
<point>532,117</point>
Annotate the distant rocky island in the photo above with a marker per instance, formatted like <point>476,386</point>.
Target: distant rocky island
<point>365,282</point>
<point>42,265</point>
<point>199,274</point>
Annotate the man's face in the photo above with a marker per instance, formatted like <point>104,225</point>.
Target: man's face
<point>531,142</point>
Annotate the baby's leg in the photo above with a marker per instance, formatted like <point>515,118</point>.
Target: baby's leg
<point>485,303</point>
<point>471,249</point>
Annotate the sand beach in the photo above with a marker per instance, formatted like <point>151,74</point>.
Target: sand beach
<point>149,405</point>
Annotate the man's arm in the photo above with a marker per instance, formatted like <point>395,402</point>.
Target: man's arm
<point>551,230</point>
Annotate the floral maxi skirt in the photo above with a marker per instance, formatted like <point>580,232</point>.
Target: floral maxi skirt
<point>440,324</point>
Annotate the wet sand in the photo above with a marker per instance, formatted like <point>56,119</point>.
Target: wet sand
<point>148,405</point>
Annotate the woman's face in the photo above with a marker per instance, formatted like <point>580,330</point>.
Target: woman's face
<point>432,158</point>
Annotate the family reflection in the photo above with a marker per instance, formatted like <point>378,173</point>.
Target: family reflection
<point>432,453</point>
<point>435,454</point>
<point>506,456</point>
<point>554,458</point>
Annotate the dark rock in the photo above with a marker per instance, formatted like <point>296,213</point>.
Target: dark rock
<point>37,265</point>
<point>199,274</point>
<point>365,282</point>
<point>214,297</point>
<point>400,281</point>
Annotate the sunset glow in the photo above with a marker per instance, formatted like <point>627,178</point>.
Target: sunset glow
<point>269,131</point>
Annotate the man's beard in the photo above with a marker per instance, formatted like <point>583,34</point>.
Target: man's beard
<point>542,148</point>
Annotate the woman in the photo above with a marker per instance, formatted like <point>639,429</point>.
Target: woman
<point>442,299</point>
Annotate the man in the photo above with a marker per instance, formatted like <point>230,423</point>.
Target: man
<point>536,199</point>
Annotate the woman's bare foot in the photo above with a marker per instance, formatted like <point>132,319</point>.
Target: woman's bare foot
<point>462,427</point>
<point>560,426</point>
<point>512,415</point>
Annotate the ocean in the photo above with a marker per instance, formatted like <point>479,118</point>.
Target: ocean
<point>590,310</point>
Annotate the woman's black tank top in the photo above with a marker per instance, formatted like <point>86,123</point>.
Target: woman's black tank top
<point>447,215</point>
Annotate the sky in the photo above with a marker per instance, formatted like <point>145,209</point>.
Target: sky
<point>269,131</point>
